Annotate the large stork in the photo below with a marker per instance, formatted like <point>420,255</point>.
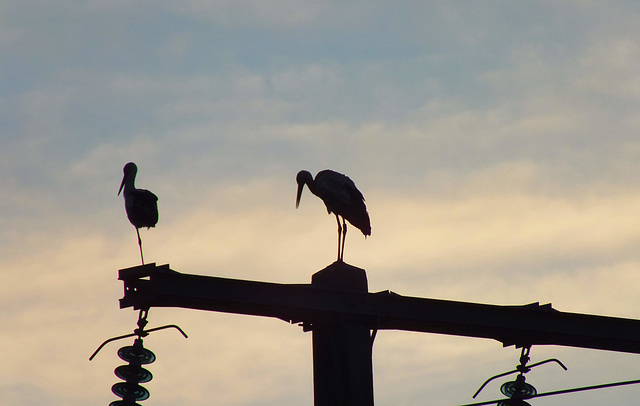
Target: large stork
<point>141,205</point>
<point>342,198</point>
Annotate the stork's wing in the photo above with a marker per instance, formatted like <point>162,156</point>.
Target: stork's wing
<point>331,187</point>
<point>356,213</point>
<point>142,208</point>
<point>341,196</point>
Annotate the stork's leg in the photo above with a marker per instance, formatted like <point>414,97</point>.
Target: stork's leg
<point>344,237</point>
<point>140,244</point>
<point>339,236</point>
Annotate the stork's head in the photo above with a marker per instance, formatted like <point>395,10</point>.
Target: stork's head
<point>303,177</point>
<point>130,171</point>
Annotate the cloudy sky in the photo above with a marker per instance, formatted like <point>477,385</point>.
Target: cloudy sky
<point>496,143</point>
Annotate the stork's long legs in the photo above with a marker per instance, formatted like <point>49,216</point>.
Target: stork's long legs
<point>344,237</point>
<point>140,244</point>
<point>342,234</point>
<point>339,236</point>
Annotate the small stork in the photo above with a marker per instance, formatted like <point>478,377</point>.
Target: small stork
<point>342,198</point>
<point>141,205</point>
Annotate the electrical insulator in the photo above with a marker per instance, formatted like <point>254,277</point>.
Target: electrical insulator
<point>518,389</point>
<point>133,374</point>
<point>136,355</point>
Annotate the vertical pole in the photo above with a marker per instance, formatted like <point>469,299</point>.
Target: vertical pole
<point>342,364</point>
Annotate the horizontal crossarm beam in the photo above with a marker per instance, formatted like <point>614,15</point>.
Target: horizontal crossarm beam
<point>158,286</point>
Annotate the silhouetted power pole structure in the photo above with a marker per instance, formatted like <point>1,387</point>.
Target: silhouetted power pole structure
<point>341,314</point>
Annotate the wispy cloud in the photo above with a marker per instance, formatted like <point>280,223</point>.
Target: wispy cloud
<point>496,145</point>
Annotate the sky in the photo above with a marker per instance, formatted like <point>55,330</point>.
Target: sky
<point>496,144</point>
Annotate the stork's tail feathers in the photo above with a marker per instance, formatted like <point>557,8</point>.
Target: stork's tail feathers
<point>362,222</point>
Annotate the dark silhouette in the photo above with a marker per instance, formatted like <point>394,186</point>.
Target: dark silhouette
<point>141,205</point>
<point>342,198</point>
<point>344,319</point>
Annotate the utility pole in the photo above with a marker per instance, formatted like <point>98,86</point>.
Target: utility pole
<point>341,314</point>
<point>342,349</point>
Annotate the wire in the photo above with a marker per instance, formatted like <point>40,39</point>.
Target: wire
<point>563,391</point>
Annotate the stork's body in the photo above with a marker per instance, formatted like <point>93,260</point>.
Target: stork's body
<point>141,205</point>
<point>341,197</point>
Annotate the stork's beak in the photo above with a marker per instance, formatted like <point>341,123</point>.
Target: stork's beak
<point>300,186</point>
<point>121,186</point>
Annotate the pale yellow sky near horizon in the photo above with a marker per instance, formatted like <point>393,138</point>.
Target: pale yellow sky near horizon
<point>496,145</point>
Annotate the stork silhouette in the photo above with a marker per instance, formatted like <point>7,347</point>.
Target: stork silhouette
<point>141,205</point>
<point>341,197</point>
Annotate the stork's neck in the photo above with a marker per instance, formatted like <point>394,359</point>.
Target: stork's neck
<point>129,184</point>
<point>311,184</point>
